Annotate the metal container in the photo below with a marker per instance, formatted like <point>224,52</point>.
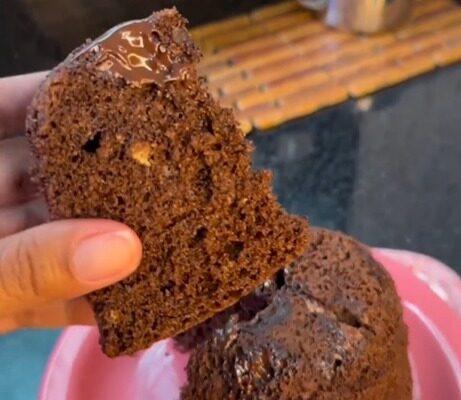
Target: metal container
<point>362,16</point>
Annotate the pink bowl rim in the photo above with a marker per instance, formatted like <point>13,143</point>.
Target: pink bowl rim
<point>71,339</point>
<point>74,336</point>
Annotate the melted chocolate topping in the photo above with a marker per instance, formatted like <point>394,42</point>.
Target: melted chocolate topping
<point>133,51</point>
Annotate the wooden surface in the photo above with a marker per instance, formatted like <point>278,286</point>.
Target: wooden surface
<point>280,62</point>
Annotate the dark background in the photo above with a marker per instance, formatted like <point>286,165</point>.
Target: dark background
<point>389,174</point>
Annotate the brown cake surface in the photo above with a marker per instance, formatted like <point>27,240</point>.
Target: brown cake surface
<point>125,129</point>
<point>327,327</point>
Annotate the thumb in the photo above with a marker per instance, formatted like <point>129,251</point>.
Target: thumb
<point>63,260</point>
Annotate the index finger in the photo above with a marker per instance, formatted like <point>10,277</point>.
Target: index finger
<point>15,95</point>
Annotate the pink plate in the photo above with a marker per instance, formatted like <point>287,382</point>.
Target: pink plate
<point>430,292</point>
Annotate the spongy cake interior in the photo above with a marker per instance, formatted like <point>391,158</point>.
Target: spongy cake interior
<point>173,165</point>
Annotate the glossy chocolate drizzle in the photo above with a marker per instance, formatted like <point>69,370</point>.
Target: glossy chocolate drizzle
<point>133,52</point>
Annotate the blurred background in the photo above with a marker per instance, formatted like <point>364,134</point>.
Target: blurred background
<point>386,169</point>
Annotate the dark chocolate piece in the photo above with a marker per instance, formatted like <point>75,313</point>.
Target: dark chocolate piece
<point>133,51</point>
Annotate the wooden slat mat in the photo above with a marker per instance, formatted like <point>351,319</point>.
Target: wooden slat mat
<point>280,62</point>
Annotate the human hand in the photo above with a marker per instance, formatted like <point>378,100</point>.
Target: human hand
<point>46,268</point>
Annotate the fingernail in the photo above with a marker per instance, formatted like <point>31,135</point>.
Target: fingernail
<point>106,257</point>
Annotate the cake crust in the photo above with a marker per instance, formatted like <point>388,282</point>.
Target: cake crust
<point>328,327</point>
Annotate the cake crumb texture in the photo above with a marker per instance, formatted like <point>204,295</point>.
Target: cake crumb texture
<point>171,163</point>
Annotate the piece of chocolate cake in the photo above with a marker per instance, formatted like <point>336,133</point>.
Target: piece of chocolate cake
<point>328,327</point>
<point>125,129</point>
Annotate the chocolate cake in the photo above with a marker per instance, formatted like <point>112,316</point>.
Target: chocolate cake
<point>327,327</point>
<point>125,129</point>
